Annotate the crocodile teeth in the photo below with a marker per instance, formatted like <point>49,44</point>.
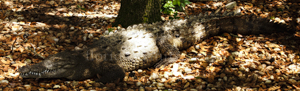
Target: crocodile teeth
<point>38,73</point>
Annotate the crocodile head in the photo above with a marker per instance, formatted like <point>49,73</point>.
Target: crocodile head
<point>67,64</point>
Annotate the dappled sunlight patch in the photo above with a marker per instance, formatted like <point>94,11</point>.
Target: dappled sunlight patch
<point>229,61</point>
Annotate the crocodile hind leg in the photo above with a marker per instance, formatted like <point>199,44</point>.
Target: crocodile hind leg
<point>110,72</point>
<point>170,53</point>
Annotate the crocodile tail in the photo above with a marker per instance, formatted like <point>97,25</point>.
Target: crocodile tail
<point>250,24</point>
<point>205,26</point>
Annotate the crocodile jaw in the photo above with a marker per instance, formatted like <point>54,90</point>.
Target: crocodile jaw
<point>38,71</point>
<point>60,65</point>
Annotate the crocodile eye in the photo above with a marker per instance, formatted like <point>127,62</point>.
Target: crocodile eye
<point>68,66</point>
<point>56,59</point>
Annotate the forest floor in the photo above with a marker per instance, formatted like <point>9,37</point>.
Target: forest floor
<point>31,30</point>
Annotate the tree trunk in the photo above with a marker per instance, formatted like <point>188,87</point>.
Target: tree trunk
<point>138,11</point>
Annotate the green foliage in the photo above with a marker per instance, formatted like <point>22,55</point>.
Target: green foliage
<point>110,30</point>
<point>78,6</point>
<point>171,7</point>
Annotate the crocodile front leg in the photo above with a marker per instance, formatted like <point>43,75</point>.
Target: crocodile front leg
<point>110,72</point>
<point>170,53</point>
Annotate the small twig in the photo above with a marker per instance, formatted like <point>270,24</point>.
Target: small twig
<point>35,53</point>
<point>12,46</point>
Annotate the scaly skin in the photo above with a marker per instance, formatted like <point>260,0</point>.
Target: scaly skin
<point>142,46</point>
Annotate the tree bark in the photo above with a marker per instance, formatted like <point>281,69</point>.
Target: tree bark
<point>138,11</point>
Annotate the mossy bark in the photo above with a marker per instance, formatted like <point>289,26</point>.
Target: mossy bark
<point>138,11</point>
